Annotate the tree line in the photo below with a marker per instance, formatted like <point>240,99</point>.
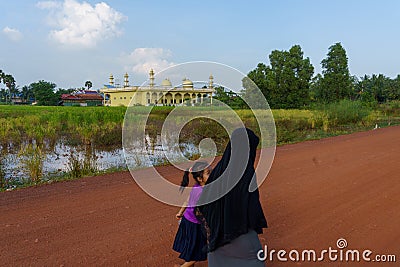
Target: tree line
<point>42,93</point>
<point>289,81</point>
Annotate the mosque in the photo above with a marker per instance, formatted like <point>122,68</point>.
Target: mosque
<point>159,95</point>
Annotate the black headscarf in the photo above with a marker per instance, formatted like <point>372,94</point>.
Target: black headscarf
<point>239,210</point>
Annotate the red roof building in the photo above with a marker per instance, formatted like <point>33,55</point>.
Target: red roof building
<point>86,98</point>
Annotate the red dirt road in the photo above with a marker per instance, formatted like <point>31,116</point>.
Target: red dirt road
<point>317,192</point>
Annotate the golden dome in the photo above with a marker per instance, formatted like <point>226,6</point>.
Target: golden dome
<point>166,83</point>
<point>187,83</point>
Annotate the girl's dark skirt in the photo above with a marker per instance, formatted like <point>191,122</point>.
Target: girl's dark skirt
<point>190,241</point>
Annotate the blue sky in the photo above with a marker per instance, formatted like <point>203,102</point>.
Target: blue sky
<point>70,41</point>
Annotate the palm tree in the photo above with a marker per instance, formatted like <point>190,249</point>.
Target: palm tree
<point>26,93</point>
<point>15,92</point>
<point>9,81</point>
<point>88,84</point>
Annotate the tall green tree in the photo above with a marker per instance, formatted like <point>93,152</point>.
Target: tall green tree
<point>286,82</point>
<point>336,81</point>
<point>44,93</point>
<point>315,87</point>
<point>9,82</point>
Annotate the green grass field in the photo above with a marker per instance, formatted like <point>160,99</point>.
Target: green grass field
<point>102,126</point>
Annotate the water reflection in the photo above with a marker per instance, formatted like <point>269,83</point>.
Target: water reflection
<point>57,156</point>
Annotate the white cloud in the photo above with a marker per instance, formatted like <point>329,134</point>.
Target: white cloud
<point>81,24</point>
<point>141,60</point>
<point>13,34</point>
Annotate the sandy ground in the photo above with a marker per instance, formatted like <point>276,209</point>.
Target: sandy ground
<point>317,192</point>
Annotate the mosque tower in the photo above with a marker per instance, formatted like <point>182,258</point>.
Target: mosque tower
<point>126,80</point>
<point>211,82</point>
<point>111,79</point>
<point>151,73</point>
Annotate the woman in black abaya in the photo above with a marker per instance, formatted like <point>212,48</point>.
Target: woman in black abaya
<point>234,220</point>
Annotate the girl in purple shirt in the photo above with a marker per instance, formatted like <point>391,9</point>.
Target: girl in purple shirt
<point>190,240</point>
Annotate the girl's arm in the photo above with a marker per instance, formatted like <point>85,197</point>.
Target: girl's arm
<point>181,211</point>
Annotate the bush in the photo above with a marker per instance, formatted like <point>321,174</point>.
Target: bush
<point>345,112</point>
<point>32,158</point>
<point>78,168</point>
<point>391,108</point>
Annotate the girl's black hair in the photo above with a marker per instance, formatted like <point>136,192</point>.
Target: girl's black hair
<point>196,171</point>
